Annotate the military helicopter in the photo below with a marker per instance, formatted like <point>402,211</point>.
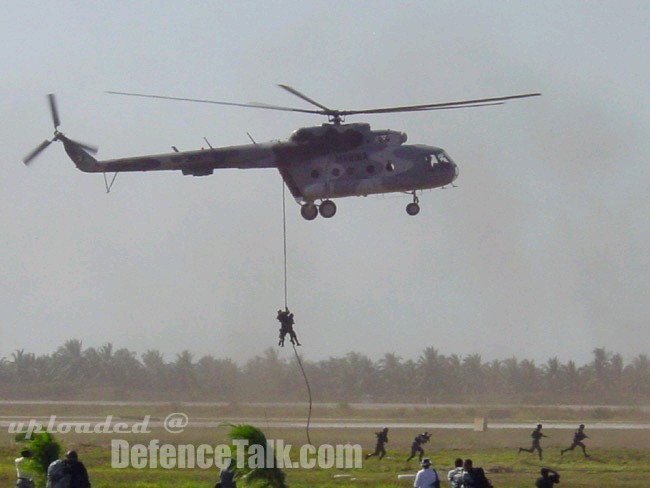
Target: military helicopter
<point>317,164</point>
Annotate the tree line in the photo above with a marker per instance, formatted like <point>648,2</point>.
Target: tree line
<point>107,374</point>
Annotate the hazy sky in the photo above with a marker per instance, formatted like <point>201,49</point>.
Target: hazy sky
<point>541,251</point>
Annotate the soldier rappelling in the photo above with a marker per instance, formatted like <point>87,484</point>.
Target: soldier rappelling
<point>286,327</point>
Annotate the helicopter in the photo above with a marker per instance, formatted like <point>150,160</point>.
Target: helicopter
<point>317,164</point>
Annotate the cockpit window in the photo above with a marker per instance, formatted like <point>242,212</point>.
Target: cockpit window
<point>442,157</point>
<point>383,138</point>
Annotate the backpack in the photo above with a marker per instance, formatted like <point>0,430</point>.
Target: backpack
<point>436,484</point>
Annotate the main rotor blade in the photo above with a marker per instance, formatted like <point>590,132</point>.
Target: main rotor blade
<point>295,92</point>
<point>420,109</point>
<point>54,110</point>
<point>41,147</point>
<point>198,100</point>
<point>481,102</point>
<point>437,106</point>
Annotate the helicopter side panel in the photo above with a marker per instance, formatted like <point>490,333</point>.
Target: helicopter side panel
<point>370,170</point>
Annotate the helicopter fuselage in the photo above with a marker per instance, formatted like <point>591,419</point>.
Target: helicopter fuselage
<point>316,163</point>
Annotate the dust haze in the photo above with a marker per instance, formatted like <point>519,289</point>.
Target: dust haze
<point>541,251</point>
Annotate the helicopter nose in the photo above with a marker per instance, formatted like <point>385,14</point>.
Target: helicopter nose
<point>448,166</point>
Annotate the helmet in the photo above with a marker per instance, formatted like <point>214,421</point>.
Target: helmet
<point>72,455</point>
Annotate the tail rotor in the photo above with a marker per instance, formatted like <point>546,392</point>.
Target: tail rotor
<point>58,136</point>
<point>55,112</point>
<point>32,155</point>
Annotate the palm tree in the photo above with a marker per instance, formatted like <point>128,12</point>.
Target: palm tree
<point>24,366</point>
<point>572,379</point>
<point>70,363</point>
<point>395,377</point>
<point>552,378</point>
<point>218,378</point>
<point>638,374</point>
<point>126,369</point>
<point>183,372</point>
<point>529,377</point>
<point>156,370</point>
<point>5,370</point>
<point>267,375</point>
<point>472,375</point>
<point>431,367</point>
<point>599,369</point>
<point>265,477</point>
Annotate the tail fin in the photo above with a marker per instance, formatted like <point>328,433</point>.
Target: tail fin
<point>80,156</point>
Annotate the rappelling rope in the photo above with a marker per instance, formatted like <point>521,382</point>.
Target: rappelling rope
<point>286,306</point>
<point>308,391</point>
<point>284,233</point>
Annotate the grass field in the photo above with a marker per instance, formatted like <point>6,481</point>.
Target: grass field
<point>619,457</point>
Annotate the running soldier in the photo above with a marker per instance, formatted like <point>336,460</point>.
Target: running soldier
<point>382,439</point>
<point>578,436</point>
<point>536,435</point>
<point>416,446</point>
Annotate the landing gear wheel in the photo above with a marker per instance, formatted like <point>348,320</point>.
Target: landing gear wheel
<point>413,209</point>
<point>309,211</point>
<point>327,209</point>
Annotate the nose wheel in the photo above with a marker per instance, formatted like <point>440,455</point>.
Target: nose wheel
<point>413,208</point>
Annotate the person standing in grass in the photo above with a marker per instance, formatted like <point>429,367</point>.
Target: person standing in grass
<point>24,475</point>
<point>474,477</point>
<point>426,478</point>
<point>455,476</point>
<point>578,436</point>
<point>78,473</point>
<point>58,474</point>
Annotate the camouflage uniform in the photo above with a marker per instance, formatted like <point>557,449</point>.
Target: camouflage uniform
<point>536,435</point>
<point>286,327</point>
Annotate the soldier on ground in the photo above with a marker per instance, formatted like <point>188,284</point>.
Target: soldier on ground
<point>536,435</point>
<point>382,439</point>
<point>578,436</point>
<point>416,446</point>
